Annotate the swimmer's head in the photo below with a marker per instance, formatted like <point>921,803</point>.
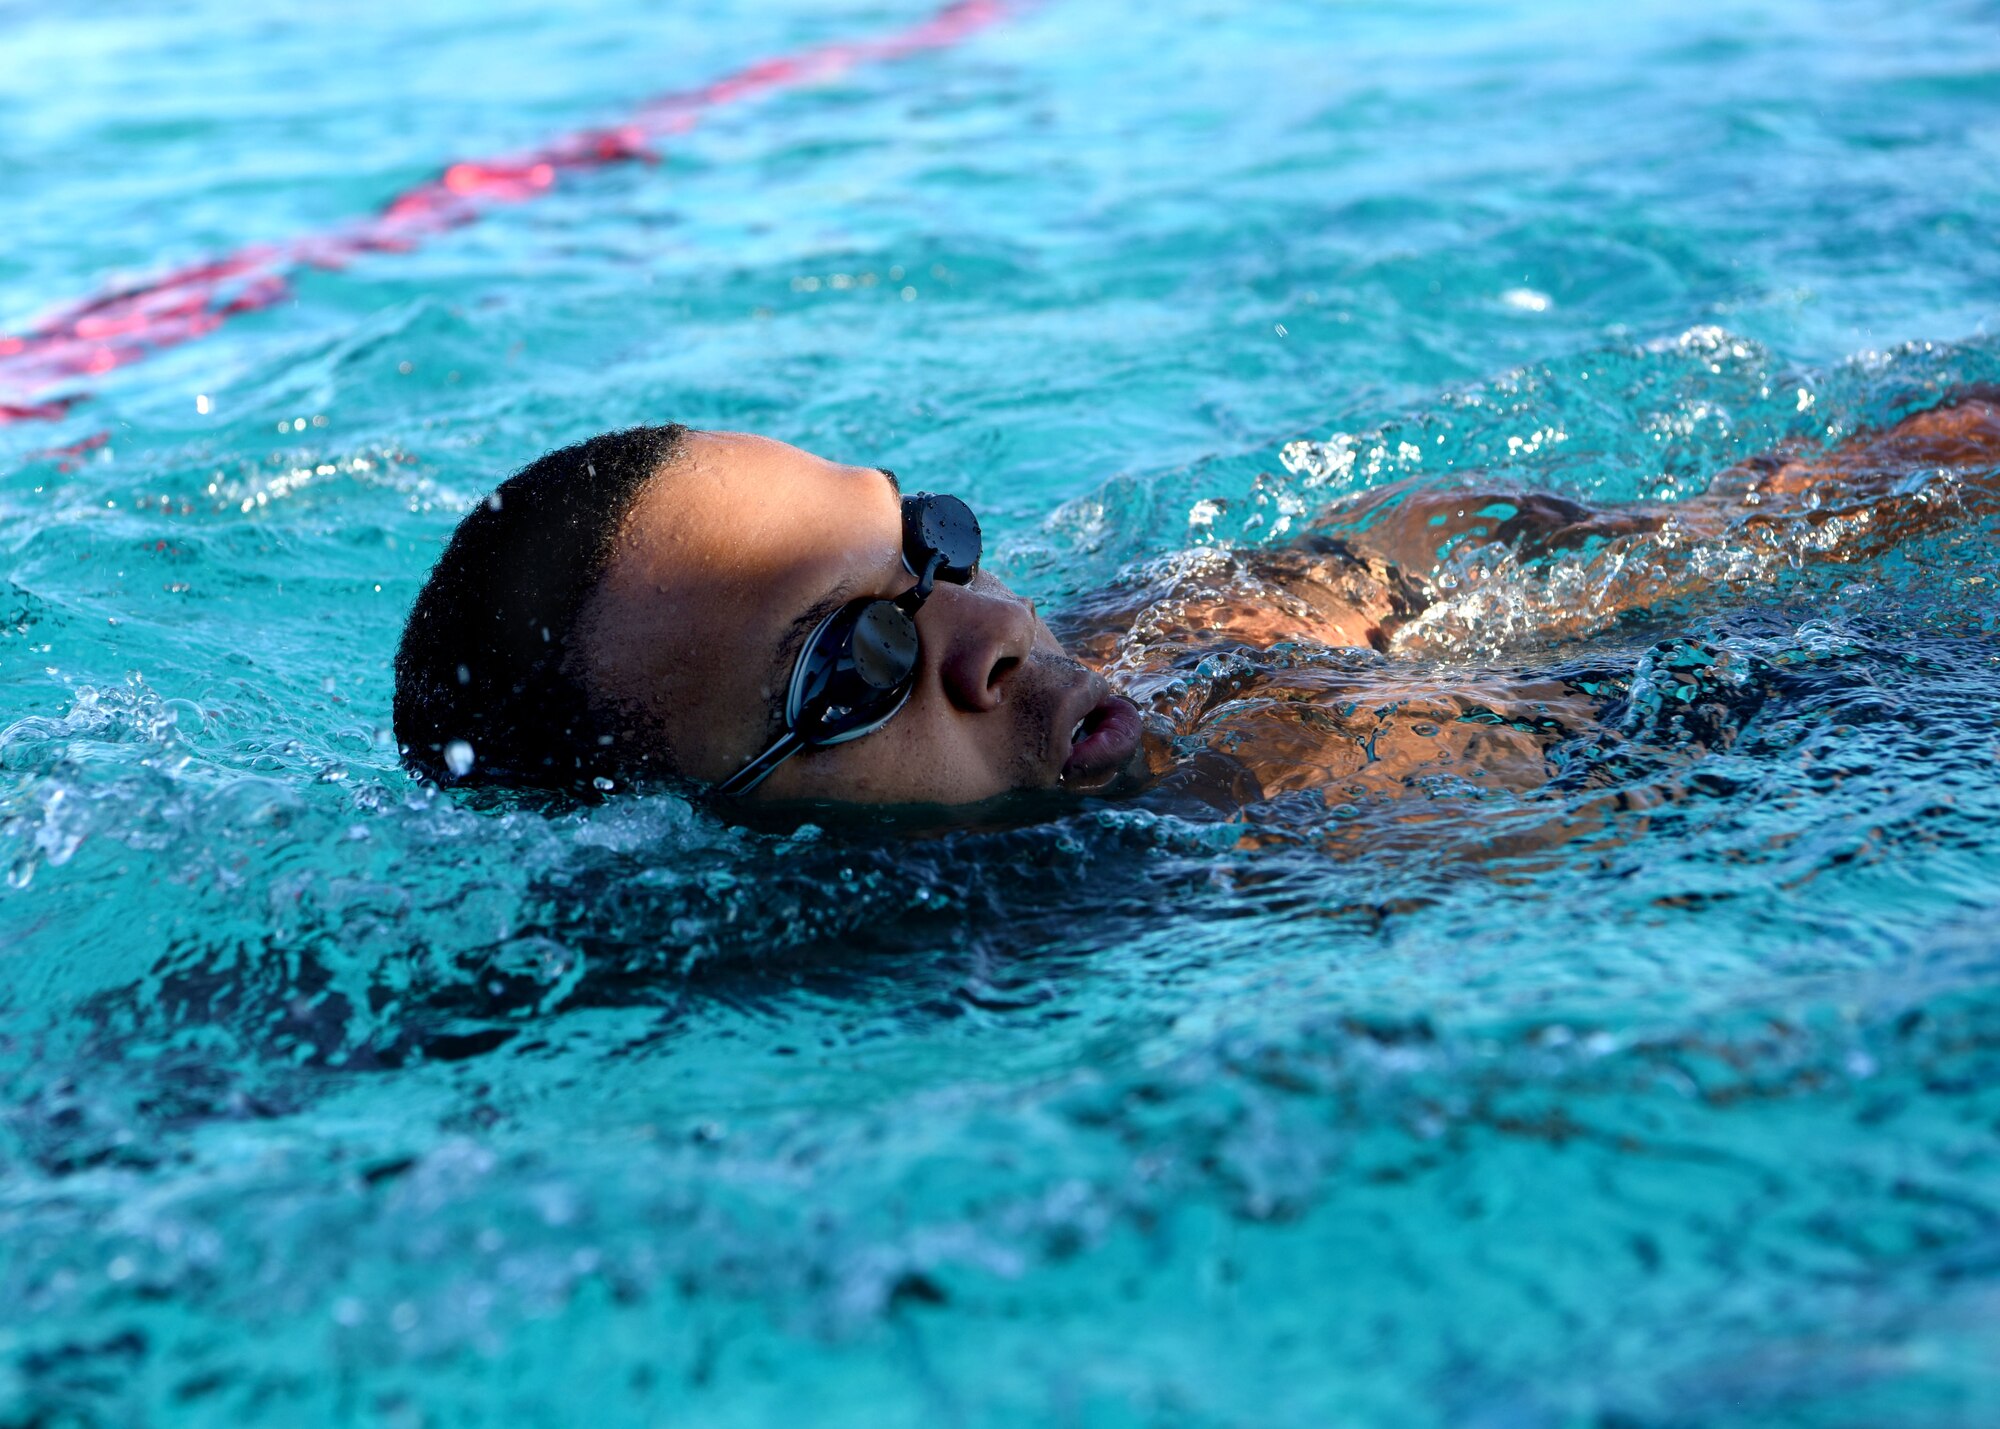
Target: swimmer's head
<point>678,575</point>
<point>486,689</point>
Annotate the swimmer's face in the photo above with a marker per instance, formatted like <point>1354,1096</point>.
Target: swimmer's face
<point>725,565</point>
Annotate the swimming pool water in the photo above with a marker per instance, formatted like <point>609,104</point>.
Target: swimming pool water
<point>331,1101</point>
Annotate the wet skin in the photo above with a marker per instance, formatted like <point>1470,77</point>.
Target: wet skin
<point>1353,725</point>
<point>727,561</point>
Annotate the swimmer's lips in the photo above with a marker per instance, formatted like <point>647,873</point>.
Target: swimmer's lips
<point>1110,735</point>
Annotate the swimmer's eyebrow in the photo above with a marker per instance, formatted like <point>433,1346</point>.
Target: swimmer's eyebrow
<point>894,485</point>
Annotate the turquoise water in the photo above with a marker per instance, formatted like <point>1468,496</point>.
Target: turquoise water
<point>328,1101</point>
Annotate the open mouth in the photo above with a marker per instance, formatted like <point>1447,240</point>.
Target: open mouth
<point>1102,741</point>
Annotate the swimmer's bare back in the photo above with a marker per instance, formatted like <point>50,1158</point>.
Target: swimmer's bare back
<point>1205,639</point>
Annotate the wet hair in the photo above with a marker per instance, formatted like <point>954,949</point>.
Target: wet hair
<point>486,690</point>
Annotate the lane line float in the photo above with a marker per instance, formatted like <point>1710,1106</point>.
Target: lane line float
<point>126,324</point>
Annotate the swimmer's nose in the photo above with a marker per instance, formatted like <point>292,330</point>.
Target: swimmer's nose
<point>983,636</point>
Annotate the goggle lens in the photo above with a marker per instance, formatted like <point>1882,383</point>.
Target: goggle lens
<point>941,526</point>
<point>883,648</point>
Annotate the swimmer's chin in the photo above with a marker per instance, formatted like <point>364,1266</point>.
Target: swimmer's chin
<point>1010,810</point>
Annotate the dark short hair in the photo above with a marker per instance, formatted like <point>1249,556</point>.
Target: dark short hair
<point>486,690</point>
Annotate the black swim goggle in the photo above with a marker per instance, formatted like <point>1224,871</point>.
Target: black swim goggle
<point>859,666</point>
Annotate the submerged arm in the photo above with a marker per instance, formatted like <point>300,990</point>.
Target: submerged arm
<point>1873,491</point>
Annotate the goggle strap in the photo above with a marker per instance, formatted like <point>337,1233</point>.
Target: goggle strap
<point>758,769</point>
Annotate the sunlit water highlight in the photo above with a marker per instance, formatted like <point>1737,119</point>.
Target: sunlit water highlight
<point>328,1100</point>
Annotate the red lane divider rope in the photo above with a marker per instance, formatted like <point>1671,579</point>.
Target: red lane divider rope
<point>120,327</point>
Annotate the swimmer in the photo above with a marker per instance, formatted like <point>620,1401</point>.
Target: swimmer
<point>770,630</point>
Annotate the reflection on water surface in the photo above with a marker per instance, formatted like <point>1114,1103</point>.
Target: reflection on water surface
<point>1659,1091</point>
